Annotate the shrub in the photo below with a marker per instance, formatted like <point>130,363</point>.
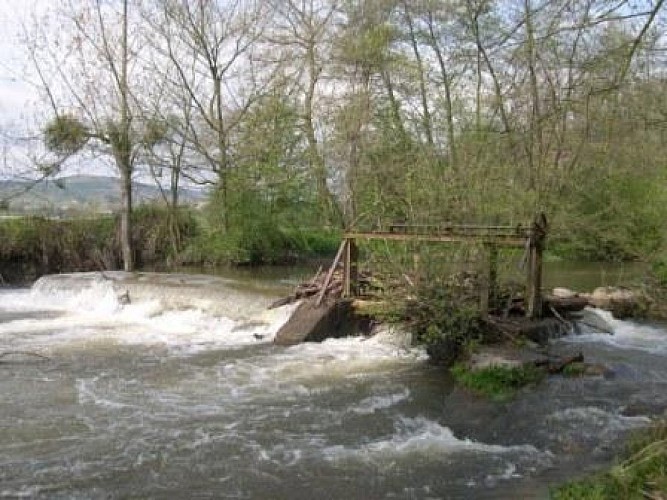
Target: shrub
<point>444,315</point>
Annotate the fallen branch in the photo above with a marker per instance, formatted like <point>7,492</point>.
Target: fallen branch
<point>23,353</point>
<point>555,366</point>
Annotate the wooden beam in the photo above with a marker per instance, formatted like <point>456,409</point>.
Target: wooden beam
<point>500,240</point>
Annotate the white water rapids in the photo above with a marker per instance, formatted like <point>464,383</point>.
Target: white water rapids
<point>180,393</point>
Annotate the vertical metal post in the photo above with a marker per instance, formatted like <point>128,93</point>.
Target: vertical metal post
<point>347,274</point>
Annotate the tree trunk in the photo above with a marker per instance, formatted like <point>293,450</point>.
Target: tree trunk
<point>126,219</point>
<point>124,157</point>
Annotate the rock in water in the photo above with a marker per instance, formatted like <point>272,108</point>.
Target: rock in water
<point>588,321</point>
<point>564,293</point>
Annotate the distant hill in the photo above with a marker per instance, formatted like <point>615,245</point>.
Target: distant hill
<point>81,193</point>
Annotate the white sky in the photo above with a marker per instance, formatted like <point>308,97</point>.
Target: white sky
<point>15,93</point>
<point>19,99</point>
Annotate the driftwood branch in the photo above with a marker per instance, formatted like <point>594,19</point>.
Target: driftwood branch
<point>331,271</point>
<point>557,365</point>
<point>23,353</point>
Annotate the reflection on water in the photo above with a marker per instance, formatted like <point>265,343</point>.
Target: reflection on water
<point>586,276</point>
<point>580,276</point>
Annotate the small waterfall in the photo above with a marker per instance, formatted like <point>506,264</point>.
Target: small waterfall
<point>109,290</point>
<point>183,312</point>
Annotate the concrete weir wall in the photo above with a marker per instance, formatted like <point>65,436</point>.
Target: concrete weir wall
<point>333,318</point>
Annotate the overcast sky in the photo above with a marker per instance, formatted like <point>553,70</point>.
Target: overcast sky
<point>15,93</point>
<point>18,98</point>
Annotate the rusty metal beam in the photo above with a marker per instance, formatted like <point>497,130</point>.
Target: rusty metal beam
<point>508,240</point>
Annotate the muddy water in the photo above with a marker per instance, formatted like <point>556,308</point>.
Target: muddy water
<point>182,395</point>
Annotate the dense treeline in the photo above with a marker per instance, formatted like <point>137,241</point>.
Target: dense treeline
<point>336,113</point>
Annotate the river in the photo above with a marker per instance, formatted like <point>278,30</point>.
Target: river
<point>181,394</point>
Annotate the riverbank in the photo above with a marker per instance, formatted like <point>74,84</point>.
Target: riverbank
<point>640,473</point>
<point>35,246</point>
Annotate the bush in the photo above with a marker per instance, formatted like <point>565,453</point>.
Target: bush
<point>444,315</point>
<point>259,243</point>
<point>32,246</point>
<point>659,269</point>
<point>159,233</point>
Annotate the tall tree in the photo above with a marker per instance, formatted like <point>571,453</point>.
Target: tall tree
<point>85,70</point>
<point>302,32</point>
<point>205,49</point>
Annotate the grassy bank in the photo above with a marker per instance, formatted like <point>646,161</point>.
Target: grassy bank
<point>641,473</point>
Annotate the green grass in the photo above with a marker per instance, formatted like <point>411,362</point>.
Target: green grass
<point>574,370</point>
<point>497,382</point>
<point>642,473</point>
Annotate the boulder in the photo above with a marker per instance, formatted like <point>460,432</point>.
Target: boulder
<point>621,302</point>
<point>564,293</point>
<point>589,321</point>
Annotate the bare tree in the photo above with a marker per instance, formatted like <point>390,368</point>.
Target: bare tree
<point>85,69</point>
<point>302,32</point>
<point>206,53</point>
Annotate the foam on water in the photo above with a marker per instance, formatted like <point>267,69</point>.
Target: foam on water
<point>421,436</point>
<point>627,335</point>
<point>597,419</point>
<point>373,404</point>
<point>89,308</point>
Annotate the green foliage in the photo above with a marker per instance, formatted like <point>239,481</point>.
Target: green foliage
<point>33,246</point>
<point>611,220</point>
<point>160,232</point>
<point>497,382</point>
<point>260,243</point>
<point>267,211</point>
<point>154,131</point>
<point>659,269</point>
<point>641,474</point>
<point>445,309</point>
<point>574,370</point>
<point>65,134</point>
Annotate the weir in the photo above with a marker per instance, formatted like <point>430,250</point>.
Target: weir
<point>323,312</point>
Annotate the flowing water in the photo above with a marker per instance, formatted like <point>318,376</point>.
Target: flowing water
<point>181,394</point>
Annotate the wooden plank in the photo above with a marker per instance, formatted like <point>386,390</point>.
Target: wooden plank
<point>453,227</point>
<point>332,269</point>
<point>500,240</point>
